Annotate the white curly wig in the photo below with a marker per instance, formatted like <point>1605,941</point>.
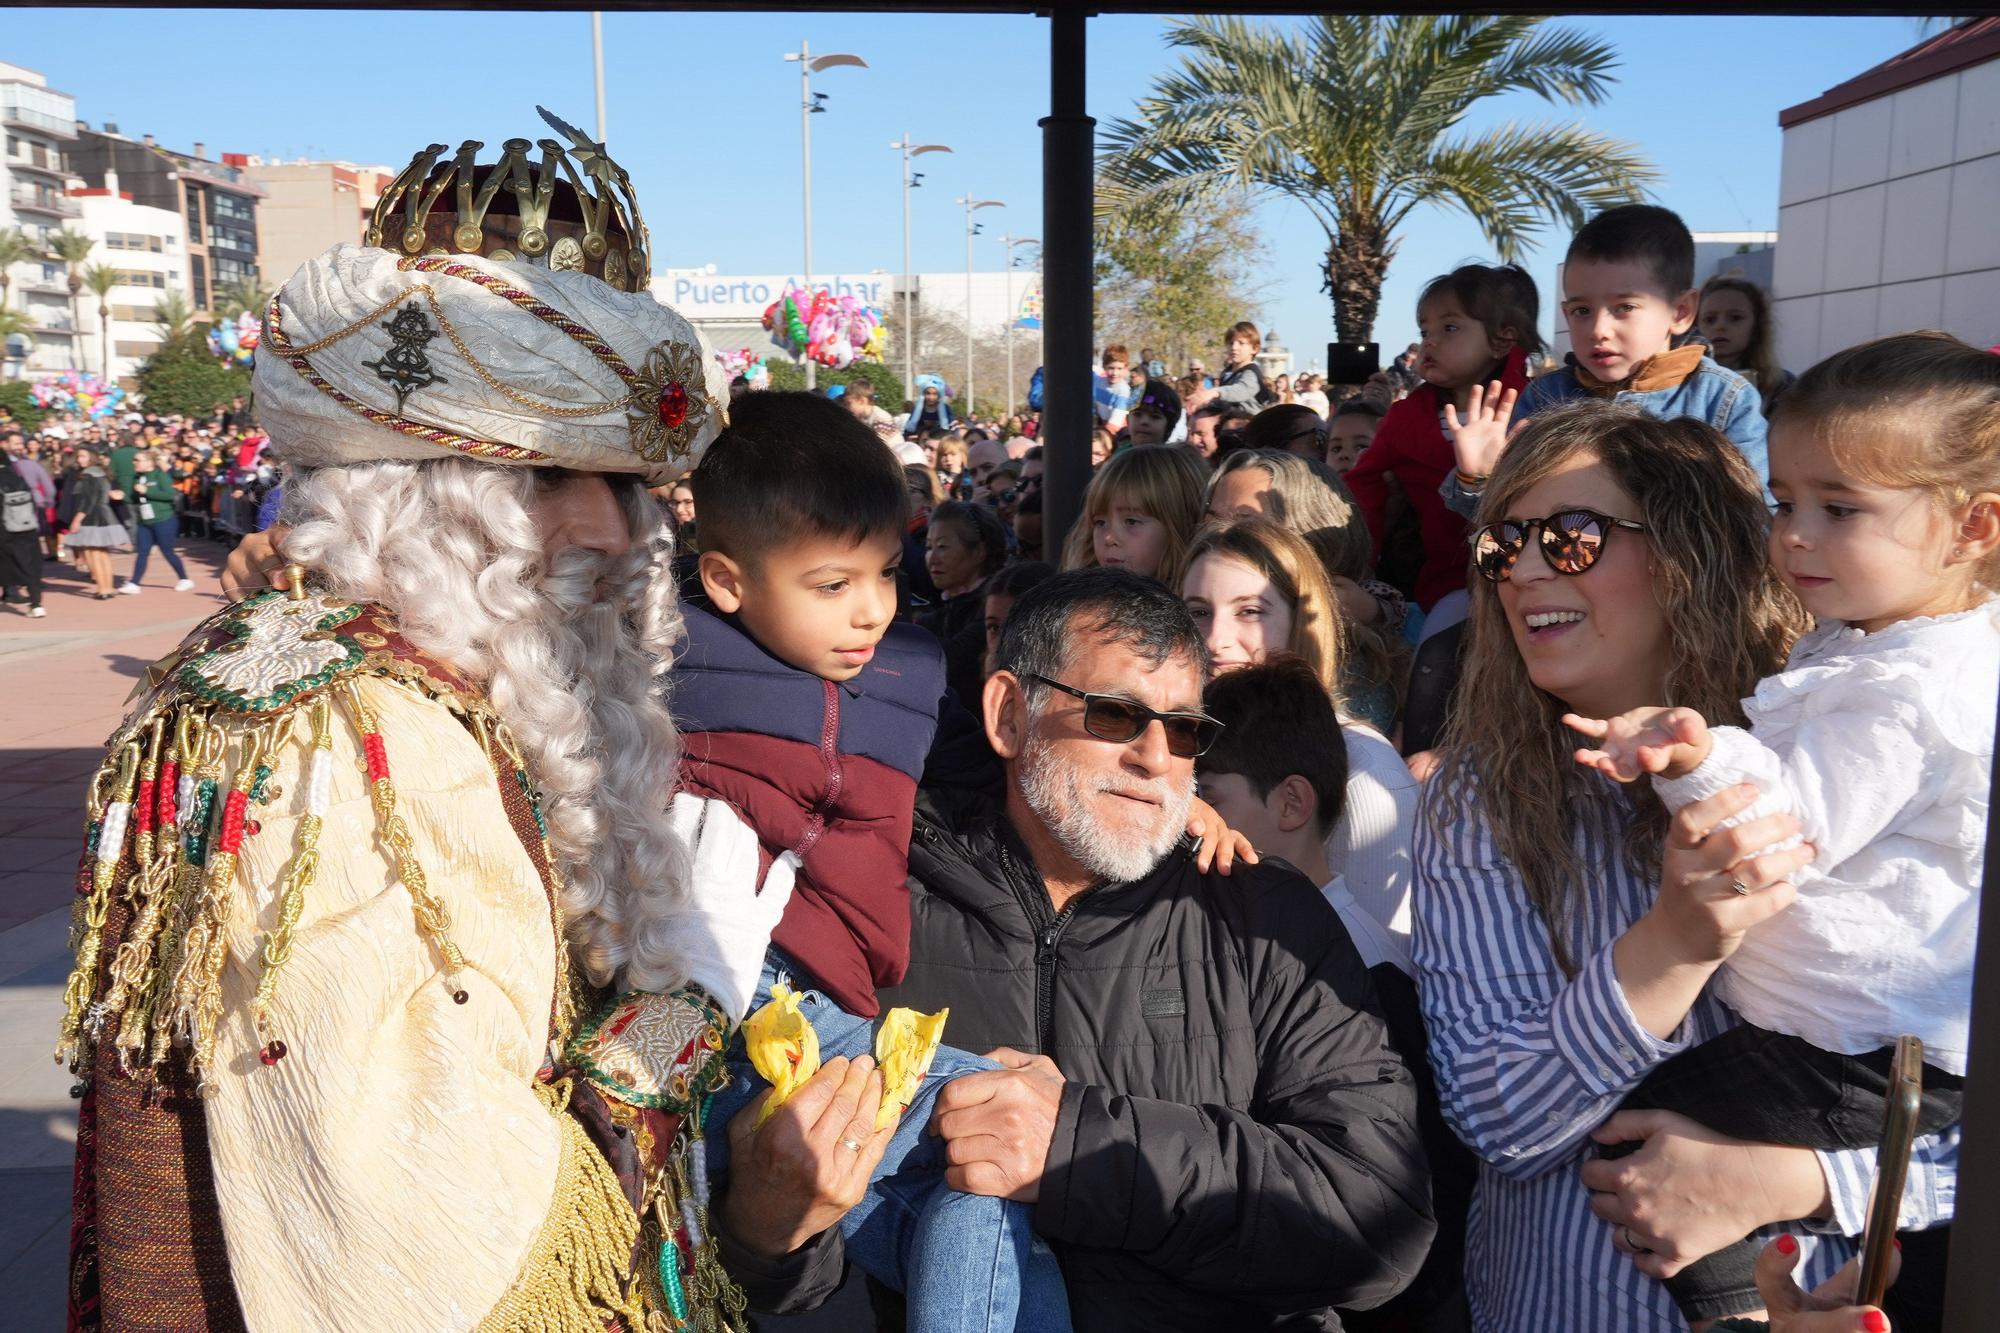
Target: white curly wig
<point>571,653</point>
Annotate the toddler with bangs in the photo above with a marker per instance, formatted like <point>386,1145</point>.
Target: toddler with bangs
<point>1878,737</point>
<point>1477,325</point>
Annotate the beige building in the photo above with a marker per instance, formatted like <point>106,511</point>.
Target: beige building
<point>1887,195</point>
<point>309,207</point>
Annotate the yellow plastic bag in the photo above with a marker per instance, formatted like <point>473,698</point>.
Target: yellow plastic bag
<point>783,1046</point>
<point>904,1048</point>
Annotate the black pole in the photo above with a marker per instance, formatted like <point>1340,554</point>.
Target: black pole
<point>1068,187</point>
<point>1972,1287</point>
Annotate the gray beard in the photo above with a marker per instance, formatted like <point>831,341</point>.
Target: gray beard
<point>1056,791</point>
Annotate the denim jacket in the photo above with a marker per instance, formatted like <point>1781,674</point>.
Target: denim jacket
<point>1712,393</point>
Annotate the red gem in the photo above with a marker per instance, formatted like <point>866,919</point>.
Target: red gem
<point>253,828</point>
<point>273,1053</point>
<point>673,405</point>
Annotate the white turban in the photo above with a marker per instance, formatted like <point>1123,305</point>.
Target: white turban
<point>368,354</point>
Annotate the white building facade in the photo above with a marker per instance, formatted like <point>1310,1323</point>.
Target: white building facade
<point>1889,201</point>
<point>729,308</point>
<point>40,127</point>
<point>148,248</point>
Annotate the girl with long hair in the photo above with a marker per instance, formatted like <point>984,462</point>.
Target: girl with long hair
<point>1566,927</point>
<point>1256,588</point>
<point>1735,317</point>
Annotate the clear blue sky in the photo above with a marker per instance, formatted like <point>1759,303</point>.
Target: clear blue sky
<point>703,112</point>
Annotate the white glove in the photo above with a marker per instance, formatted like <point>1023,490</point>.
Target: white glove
<point>728,923</point>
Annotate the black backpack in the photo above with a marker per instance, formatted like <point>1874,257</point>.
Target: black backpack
<point>17,502</point>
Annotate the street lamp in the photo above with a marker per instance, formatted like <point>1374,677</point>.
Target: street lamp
<point>809,64</point>
<point>971,230</point>
<point>1013,314</point>
<point>910,182</point>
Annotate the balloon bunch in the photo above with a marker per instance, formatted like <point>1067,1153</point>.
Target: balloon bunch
<point>742,361</point>
<point>833,330</point>
<point>73,391</point>
<point>236,341</point>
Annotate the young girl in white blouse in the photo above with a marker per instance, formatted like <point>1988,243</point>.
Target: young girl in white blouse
<point>1878,736</point>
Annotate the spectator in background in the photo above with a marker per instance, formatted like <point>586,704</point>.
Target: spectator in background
<point>1241,382</point>
<point>1155,417</point>
<point>950,467</point>
<point>1278,775</point>
<point>1100,447</point>
<point>1256,588</point>
<point>20,533</point>
<point>1287,428</point>
<point>89,525</point>
<point>680,509</point>
<point>154,521</point>
<point>1479,325</point>
<point>1735,317</point>
<point>964,546</point>
<point>1350,432</point>
<point>1208,425</point>
<point>1140,511</point>
<point>860,400</point>
<point>1311,392</point>
<point>982,457</point>
<point>931,412</point>
<point>1002,590</point>
<point>1111,389</point>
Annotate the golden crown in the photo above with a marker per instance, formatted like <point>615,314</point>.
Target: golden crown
<point>513,213</point>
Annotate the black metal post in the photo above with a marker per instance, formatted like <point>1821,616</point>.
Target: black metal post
<point>1069,174</point>
<point>1972,1286</point>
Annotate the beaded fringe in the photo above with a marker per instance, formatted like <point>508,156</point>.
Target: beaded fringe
<point>573,1278</point>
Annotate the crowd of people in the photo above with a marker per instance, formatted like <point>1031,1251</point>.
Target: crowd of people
<point>1452,851</point>
<point>84,491</point>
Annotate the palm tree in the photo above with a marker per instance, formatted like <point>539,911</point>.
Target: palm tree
<point>72,247</point>
<point>13,321</point>
<point>1357,116</point>
<point>101,278</point>
<point>15,248</point>
<point>241,295</point>
<point>173,316</point>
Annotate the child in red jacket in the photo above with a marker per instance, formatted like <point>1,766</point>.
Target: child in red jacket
<point>1477,324</point>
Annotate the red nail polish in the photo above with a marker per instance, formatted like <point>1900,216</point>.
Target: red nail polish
<point>1897,1243</point>
<point>1788,1244</point>
<point>1875,1322</point>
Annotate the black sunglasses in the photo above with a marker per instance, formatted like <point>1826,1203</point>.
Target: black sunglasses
<point>1110,718</point>
<point>1571,541</point>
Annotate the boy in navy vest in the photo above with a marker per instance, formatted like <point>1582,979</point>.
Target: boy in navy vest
<point>807,707</point>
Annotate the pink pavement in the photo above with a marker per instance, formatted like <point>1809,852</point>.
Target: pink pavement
<point>63,684</point>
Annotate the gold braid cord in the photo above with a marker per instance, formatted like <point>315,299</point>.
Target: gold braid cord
<point>299,878</point>
<point>572,1280</point>
<point>432,917</point>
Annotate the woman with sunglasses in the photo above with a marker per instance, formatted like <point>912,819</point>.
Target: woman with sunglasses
<point>1565,928</point>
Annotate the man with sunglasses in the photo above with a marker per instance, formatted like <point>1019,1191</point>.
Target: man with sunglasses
<point>1199,1095</point>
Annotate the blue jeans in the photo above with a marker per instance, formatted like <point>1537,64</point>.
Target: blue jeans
<point>160,533</point>
<point>965,1263</point>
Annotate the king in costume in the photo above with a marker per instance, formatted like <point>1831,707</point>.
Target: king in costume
<point>399,991</point>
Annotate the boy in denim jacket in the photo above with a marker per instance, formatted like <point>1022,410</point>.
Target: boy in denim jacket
<point>1628,297</point>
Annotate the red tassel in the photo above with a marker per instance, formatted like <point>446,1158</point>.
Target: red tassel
<point>378,758</point>
<point>142,807</point>
<point>170,781</point>
<point>232,822</point>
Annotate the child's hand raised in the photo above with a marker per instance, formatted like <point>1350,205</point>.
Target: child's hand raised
<point>1482,435</point>
<point>1668,741</point>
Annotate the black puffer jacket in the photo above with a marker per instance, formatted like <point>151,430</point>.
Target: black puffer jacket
<point>1237,1145</point>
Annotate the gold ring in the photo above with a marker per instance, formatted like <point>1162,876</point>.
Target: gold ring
<point>851,1144</point>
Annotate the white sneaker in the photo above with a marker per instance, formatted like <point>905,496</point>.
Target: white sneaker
<point>130,590</point>
<point>185,585</point>
<point>37,612</point>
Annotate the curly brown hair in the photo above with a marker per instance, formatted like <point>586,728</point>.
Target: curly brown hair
<point>1506,756</point>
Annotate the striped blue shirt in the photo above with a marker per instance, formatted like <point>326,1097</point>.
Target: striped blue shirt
<point>1529,1062</point>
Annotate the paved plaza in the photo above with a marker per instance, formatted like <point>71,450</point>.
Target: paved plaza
<point>63,684</point>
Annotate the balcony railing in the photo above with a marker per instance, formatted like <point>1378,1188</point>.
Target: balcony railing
<point>59,205</point>
<point>29,118</point>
